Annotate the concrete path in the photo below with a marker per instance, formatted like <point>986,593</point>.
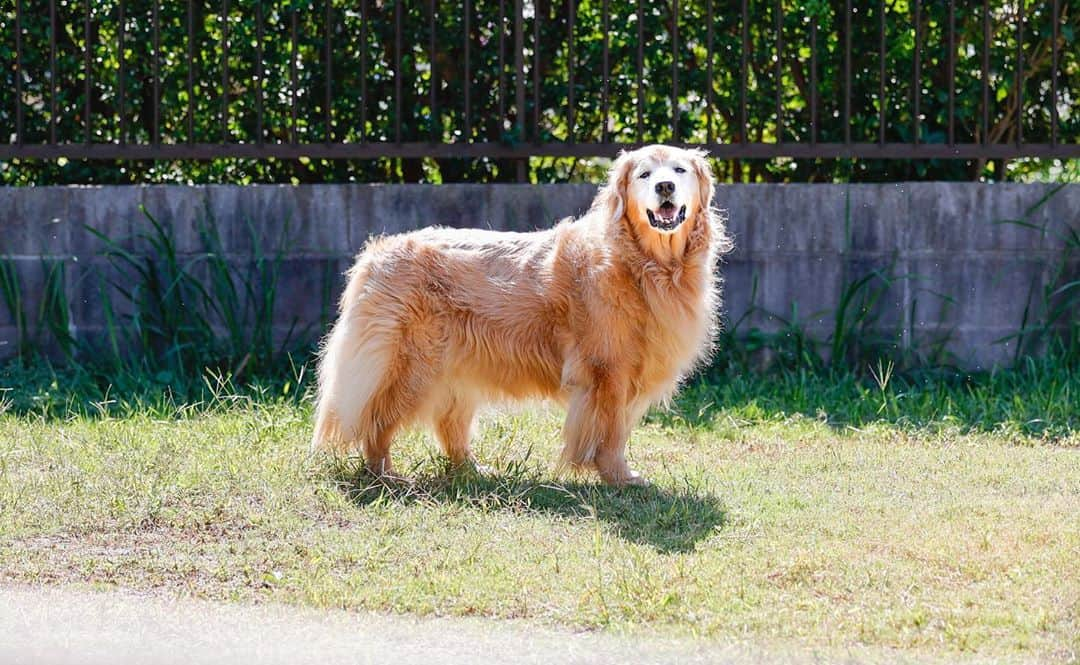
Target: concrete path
<point>59,626</point>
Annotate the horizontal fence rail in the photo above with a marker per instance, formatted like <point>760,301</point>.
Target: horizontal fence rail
<point>501,79</point>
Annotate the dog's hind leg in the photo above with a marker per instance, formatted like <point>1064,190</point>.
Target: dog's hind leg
<point>395,404</point>
<point>376,440</point>
<point>404,392</point>
<point>453,427</point>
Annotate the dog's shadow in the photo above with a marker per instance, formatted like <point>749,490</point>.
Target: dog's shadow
<point>667,520</point>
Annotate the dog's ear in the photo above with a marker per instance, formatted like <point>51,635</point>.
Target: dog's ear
<point>715,233</point>
<point>704,174</point>
<point>611,201</point>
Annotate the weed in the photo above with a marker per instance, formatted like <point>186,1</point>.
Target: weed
<point>198,312</point>
<point>12,291</point>
<point>882,377</point>
<point>1051,316</point>
<point>50,328</point>
<point>169,318</point>
<point>55,312</point>
<point>856,332</point>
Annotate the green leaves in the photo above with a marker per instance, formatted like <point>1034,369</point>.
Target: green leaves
<point>227,93</point>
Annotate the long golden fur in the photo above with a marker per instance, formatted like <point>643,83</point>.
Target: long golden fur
<point>605,313</point>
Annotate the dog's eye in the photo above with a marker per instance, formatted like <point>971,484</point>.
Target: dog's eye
<point>645,174</point>
<point>679,169</point>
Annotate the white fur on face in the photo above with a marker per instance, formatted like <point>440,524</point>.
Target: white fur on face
<point>665,189</point>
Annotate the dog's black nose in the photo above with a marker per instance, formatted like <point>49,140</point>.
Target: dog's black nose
<point>666,188</point>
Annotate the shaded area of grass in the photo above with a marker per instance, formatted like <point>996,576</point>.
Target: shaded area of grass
<point>1040,397</point>
<point>43,390</point>
<point>670,520</point>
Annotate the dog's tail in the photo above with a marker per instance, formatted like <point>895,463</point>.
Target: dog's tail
<point>351,369</point>
<point>347,375</point>
<point>328,435</point>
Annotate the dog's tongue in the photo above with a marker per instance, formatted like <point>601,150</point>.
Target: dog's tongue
<point>667,212</point>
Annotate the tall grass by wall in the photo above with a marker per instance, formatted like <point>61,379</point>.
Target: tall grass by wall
<point>860,336</point>
<point>168,316</point>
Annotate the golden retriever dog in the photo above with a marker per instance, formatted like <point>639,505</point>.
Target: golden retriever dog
<point>605,313</point>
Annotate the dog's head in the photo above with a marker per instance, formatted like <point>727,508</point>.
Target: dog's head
<point>658,188</point>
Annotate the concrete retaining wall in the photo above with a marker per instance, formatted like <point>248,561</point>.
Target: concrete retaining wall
<point>960,266</point>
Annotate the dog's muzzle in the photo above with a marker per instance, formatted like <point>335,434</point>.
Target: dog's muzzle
<point>667,217</point>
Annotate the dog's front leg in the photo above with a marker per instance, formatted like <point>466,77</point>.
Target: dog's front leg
<point>597,427</point>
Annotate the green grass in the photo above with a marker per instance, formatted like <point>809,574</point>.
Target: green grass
<point>935,517</point>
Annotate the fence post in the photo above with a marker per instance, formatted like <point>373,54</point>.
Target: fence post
<point>519,84</point>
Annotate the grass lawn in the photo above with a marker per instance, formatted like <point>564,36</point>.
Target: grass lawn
<point>937,518</point>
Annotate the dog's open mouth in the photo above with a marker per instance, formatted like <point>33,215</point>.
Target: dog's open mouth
<point>666,216</point>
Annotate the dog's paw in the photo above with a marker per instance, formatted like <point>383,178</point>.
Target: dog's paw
<point>624,478</point>
<point>483,469</point>
<point>471,466</point>
<point>634,478</point>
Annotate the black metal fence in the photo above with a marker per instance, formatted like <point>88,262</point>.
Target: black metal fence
<point>510,79</point>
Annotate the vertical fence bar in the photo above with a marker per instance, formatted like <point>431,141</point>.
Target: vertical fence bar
<point>434,81</point>
<point>709,71</point>
<point>18,74</point>
<point>191,71</point>
<point>259,30</point>
<point>52,72</point>
<point>640,70</point>
<point>328,106</point>
<point>881,73</point>
<point>1056,18</point>
<point>1019,73</point>
<point>88,75</point>
<point>537,90</point>
<point>224,71</point>
<point>606,72</point>
<point>951,66</point>
<point>847,73</point>
<point>156,120</point>
<point>916,85</point>
<point>744,72</point>
<point>570,69</point>
<point>986,73</point>
<point>122,87</point>
<point>363,70</point>
<point>502,68</point>
<point>397,70</point>
<point>675,70</point>
<point>813,81</point>
<point>521,165</point>
<point>779,71</point>
<point>467,83</point>
<point>294,88</point>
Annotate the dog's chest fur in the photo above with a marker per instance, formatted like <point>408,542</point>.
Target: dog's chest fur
<point>678,326</point>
